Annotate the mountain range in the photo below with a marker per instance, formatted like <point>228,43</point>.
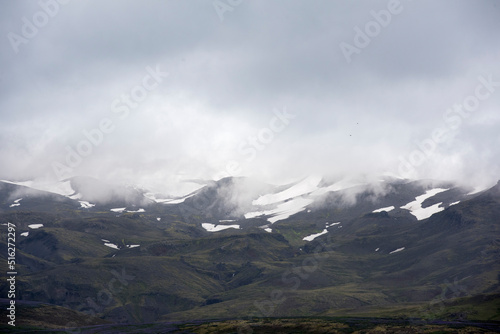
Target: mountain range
<point>240,248</point>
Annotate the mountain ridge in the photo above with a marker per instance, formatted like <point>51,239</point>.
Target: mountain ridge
<point>351,250</point>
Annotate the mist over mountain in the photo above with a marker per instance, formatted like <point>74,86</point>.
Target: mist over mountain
<point>174,161</point>
<point>223,99</point>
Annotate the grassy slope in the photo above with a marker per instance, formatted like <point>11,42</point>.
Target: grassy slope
<point>448,269</point>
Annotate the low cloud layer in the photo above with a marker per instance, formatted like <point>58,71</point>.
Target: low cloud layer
<point>153,93</point>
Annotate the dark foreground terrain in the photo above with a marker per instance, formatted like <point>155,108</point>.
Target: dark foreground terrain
<point>280,325</point>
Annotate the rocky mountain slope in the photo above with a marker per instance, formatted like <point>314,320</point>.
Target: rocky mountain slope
<point>241,248</point>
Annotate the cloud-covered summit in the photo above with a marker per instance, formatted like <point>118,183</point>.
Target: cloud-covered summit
<point>153,93</point>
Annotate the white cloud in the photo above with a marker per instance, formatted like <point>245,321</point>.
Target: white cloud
<point>226,79</point>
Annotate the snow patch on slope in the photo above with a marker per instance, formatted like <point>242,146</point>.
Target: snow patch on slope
<point>111,245</point>
<point>35,226</point>
<point>416,208</point>
<point>217,228</point>
<point>136,211</point>
<point>314,236</point>
<point>337,186</point>
<point>397,250</point>
<point>477,190</point>
<point>387,209</point>
<point>295,199</point>
<point>152,197</point>
<point>86,205</point>
<point>118,210</point>
<point>178,200</point>
<point>16,203</point>
<point>283,210</point>
<point>325,231</point>
<point>306,186</point>
<point>61,188</point>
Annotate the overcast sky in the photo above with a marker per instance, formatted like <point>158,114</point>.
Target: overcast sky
<point>359,87</point>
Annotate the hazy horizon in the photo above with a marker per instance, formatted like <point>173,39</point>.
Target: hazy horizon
<point>156,93</point>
